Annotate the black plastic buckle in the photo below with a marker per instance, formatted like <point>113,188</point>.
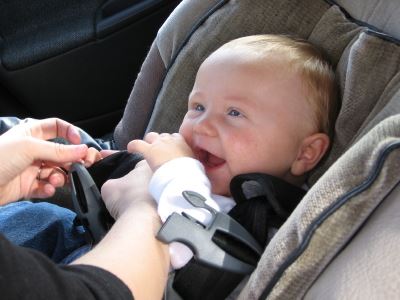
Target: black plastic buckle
<point>88,204</point>
<point>201,239</point>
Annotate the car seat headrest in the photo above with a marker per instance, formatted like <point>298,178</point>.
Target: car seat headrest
<point>377,13</point>
<point>366,63</point>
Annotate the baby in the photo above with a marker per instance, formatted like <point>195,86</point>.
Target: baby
<point>263,103</point>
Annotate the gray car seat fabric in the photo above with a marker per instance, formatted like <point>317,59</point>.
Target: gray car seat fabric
<point>382,14</point>
<point>362,41</point>
<point>329,216</point>
<point>367,267</point>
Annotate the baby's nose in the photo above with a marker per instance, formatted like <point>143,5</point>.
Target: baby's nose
<point>205,126</point>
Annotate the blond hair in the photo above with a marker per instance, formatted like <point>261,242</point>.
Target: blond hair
<point>305,58</point>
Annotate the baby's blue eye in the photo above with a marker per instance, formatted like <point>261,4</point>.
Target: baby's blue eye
<point>234,113</point>
<point>199,107</point>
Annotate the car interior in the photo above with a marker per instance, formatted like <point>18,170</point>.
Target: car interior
<point>76,60</point>
<point>120,69</point>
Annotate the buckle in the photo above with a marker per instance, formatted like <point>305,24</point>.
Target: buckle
<point>223,244</point>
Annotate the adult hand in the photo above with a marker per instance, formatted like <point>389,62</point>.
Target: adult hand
<point>30,165</point>
<point>130,250</point>
<point>160,148</point>
<point>121,194</point>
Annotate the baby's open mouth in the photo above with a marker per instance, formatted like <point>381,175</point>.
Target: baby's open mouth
<point>209,160</point>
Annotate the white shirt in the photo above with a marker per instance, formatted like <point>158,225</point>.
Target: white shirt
<point>166,187</point>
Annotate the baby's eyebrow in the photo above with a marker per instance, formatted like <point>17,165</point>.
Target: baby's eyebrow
<point>237,98</point>
<point>242,100</point>
<point>195,94</point>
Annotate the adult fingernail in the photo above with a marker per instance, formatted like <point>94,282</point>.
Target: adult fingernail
<point>75,131</point>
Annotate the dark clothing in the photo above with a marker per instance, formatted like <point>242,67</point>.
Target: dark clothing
<point>28,274</point>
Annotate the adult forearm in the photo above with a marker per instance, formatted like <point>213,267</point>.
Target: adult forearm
<point>131,252</point>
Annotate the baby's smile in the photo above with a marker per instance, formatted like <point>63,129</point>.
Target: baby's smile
<point>209,160</point>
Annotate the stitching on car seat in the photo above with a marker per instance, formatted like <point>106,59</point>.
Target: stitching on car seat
<point>370,29</point>
<point>328,212</point>
<point>194,28</point>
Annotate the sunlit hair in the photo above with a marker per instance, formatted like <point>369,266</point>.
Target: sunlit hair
<point>309,61</point>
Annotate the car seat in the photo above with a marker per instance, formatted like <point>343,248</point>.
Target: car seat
<point>341,240</point>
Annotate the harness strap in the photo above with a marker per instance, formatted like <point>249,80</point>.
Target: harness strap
<point>259,215</point>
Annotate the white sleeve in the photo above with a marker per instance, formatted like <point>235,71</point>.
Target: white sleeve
<point>166,187</point>
<point>174,177</point>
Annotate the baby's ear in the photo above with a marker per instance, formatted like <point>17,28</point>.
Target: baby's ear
<point>310,153</point>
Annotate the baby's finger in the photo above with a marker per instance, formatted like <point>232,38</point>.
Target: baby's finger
<point>177,135</point>
<point>151,137</point>
<point>165,135</point>
<point>105,153</point>
<point>138,146</point>
<point>92,156</point>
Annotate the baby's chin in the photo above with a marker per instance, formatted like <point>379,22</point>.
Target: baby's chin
<point>220,180</point>
<point>222,190</point>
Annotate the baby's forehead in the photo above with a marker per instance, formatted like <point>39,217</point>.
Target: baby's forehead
<point>248,56</point>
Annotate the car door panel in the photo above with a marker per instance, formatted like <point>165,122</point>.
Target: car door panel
<point>86,81</point>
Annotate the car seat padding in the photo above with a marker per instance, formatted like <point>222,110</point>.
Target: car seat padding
<point>367,63</point>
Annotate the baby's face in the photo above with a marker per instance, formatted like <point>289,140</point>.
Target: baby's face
<point>245,116</point>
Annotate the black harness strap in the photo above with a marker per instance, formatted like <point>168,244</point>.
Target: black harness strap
<point>257,215</point>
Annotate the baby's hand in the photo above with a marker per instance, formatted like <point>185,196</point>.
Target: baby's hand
<point>93,155</point>
<point>158,149</point>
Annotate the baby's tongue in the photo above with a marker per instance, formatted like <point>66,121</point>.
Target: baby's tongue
<point>214,161</point>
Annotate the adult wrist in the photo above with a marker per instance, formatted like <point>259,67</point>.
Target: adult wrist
<point>143,212</point>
